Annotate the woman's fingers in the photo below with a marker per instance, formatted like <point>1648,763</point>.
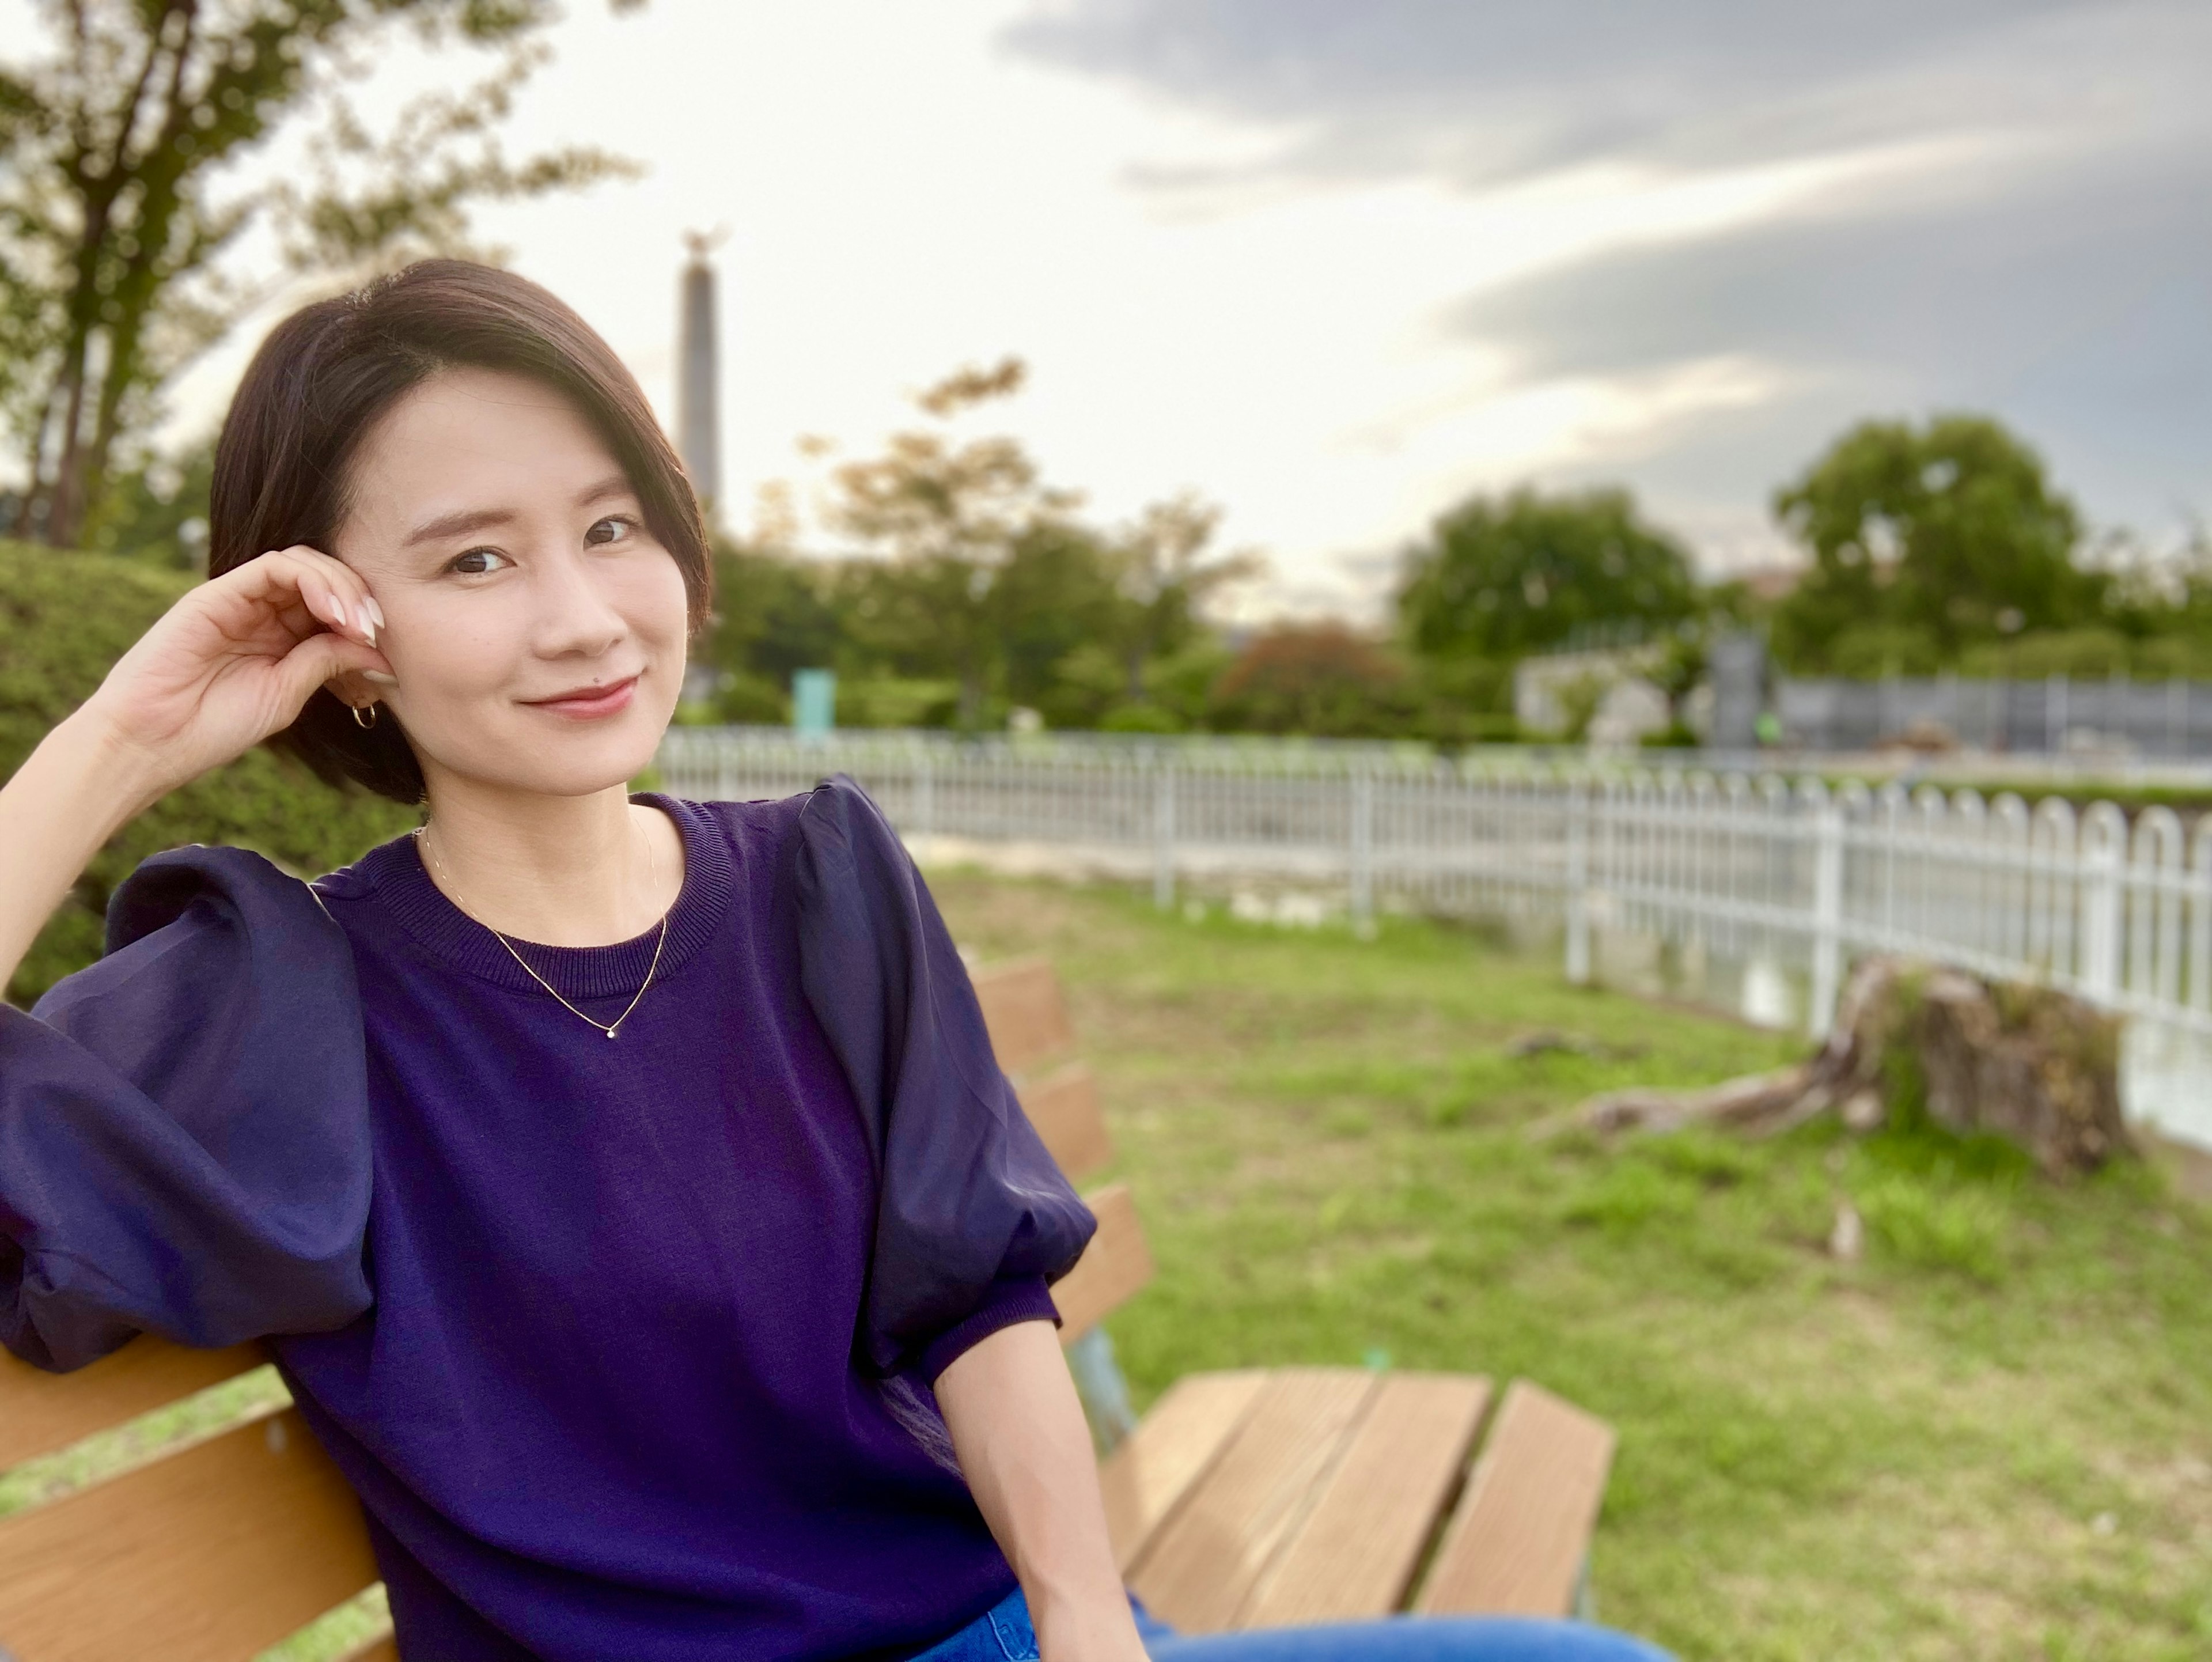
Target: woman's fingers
<point>330,591</point>
<point>345,599</point>
<point>321,658</point>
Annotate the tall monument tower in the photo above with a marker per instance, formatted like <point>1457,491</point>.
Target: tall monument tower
<point>699,386</point>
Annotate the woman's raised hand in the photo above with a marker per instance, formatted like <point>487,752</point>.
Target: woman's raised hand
<point>234,660</point>
<point>220,671</point>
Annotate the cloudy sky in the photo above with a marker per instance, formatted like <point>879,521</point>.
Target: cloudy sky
<point>1337,263</point>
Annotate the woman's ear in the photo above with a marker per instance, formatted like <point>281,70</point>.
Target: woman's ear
<point>360,686</point>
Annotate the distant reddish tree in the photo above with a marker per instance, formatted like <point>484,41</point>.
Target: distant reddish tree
<point>1323,679</point>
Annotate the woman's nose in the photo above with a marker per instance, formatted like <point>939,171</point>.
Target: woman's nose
<point>576,618</point>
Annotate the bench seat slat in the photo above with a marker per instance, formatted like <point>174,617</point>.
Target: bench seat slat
<point>42,1412</point>
<point>1156,1464</point>
<point>1205,1559</point>
<point>1356,1554</point>
<point>208,1556</point>
<point>1516,1545</point>
<point>1113,1268</point>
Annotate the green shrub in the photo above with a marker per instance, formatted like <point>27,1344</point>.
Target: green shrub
<point>888,701</point>
<point>1135,716</point>
<point>64,618</point>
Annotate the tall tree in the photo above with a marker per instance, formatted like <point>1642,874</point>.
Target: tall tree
<point>1942,534</point>
<point>950,512</point>
<point>126,192</point>
<point>1166,576</point>
<point>1500,578</point>
<point>1054,597</point>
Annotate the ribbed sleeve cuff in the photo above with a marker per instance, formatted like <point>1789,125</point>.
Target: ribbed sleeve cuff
<point>1011,1299</point>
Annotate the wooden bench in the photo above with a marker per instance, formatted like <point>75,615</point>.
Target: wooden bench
<point>1270,1496</point>
<point>1259,1496</point>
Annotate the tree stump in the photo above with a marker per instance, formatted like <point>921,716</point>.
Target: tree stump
<point>2031,1064</point>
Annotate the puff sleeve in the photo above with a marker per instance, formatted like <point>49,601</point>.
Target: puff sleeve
<point>971,1206</point>
<point>184,1127</point>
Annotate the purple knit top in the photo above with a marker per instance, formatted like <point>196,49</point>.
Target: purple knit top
<point>628,1383</point>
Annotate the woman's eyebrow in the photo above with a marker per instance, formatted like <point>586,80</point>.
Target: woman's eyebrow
<point>614,484</point>
<point>459,524</point>
<point>467,520</point>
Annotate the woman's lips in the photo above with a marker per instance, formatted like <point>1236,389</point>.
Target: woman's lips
<point>586,706</point>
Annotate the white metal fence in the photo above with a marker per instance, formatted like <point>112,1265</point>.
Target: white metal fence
<point>2167,719</point>
<point>1789,873</point>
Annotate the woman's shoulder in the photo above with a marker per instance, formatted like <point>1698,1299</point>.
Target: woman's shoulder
<point>184,910</point>
<point>211,885</point>
<point>836,817</point>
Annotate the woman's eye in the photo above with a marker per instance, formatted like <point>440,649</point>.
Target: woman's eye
<point>612,529</point>
<point>476,562</point>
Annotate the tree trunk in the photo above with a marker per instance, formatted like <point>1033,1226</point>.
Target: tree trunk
<point>64,497</point>
<point>2038,1066</point>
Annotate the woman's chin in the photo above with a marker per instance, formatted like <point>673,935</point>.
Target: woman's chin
<point>578,762</point>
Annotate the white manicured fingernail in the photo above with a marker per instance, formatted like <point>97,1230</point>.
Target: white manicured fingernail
<point>376,612</point>
<point>380,678</point>
<point>368,625</point>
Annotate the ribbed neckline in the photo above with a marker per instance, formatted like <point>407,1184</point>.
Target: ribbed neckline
<point>404,885</point>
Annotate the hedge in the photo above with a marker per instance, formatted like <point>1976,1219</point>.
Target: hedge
<point>64,618</point>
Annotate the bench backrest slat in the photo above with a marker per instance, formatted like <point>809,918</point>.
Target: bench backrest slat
<point>1024,1013</point>
<point>1355,1554</point>
<point>208,1556</point>
<point>1114,1267</point>
<point>1063,1106</point>
<point>1516,1545</point>
<point>41,1413</point>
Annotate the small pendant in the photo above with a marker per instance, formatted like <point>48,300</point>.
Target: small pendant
<point>610,1031</point>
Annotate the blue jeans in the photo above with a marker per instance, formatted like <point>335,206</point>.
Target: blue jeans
<point>1003,1634</point>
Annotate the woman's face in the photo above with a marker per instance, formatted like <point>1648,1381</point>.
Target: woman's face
<point>536,627</point>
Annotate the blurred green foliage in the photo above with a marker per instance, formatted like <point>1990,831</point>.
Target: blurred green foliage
<point>1499,578</point>
<point>1944,546</point>
<point>64,618</point>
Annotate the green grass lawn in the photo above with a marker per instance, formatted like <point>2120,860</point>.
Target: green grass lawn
<point>1989,1438</point>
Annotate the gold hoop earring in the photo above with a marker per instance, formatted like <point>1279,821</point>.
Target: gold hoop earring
<point>357,719</point>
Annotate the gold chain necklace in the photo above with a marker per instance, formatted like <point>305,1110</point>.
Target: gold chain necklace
<point>606,1027</point>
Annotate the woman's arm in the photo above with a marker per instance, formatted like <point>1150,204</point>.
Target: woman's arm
<point>75,791</point>
<point>1019,1432</point>
<point>232,661</point>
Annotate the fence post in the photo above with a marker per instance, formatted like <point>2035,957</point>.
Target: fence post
<point>1827,917</point>
<point>1164,833</point>
<point>925,796</point>
<point>1363,854</point>
<point>1578,920</point>
<point>2103,845</point>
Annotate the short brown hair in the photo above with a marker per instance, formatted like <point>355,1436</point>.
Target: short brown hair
<point>320,383</point>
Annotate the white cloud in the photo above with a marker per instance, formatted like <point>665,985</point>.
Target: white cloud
<point>905,193</point>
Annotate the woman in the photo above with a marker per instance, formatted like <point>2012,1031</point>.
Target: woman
<point>623,1183</point>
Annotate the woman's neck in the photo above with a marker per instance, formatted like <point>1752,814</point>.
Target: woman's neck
<point>563,871</point>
